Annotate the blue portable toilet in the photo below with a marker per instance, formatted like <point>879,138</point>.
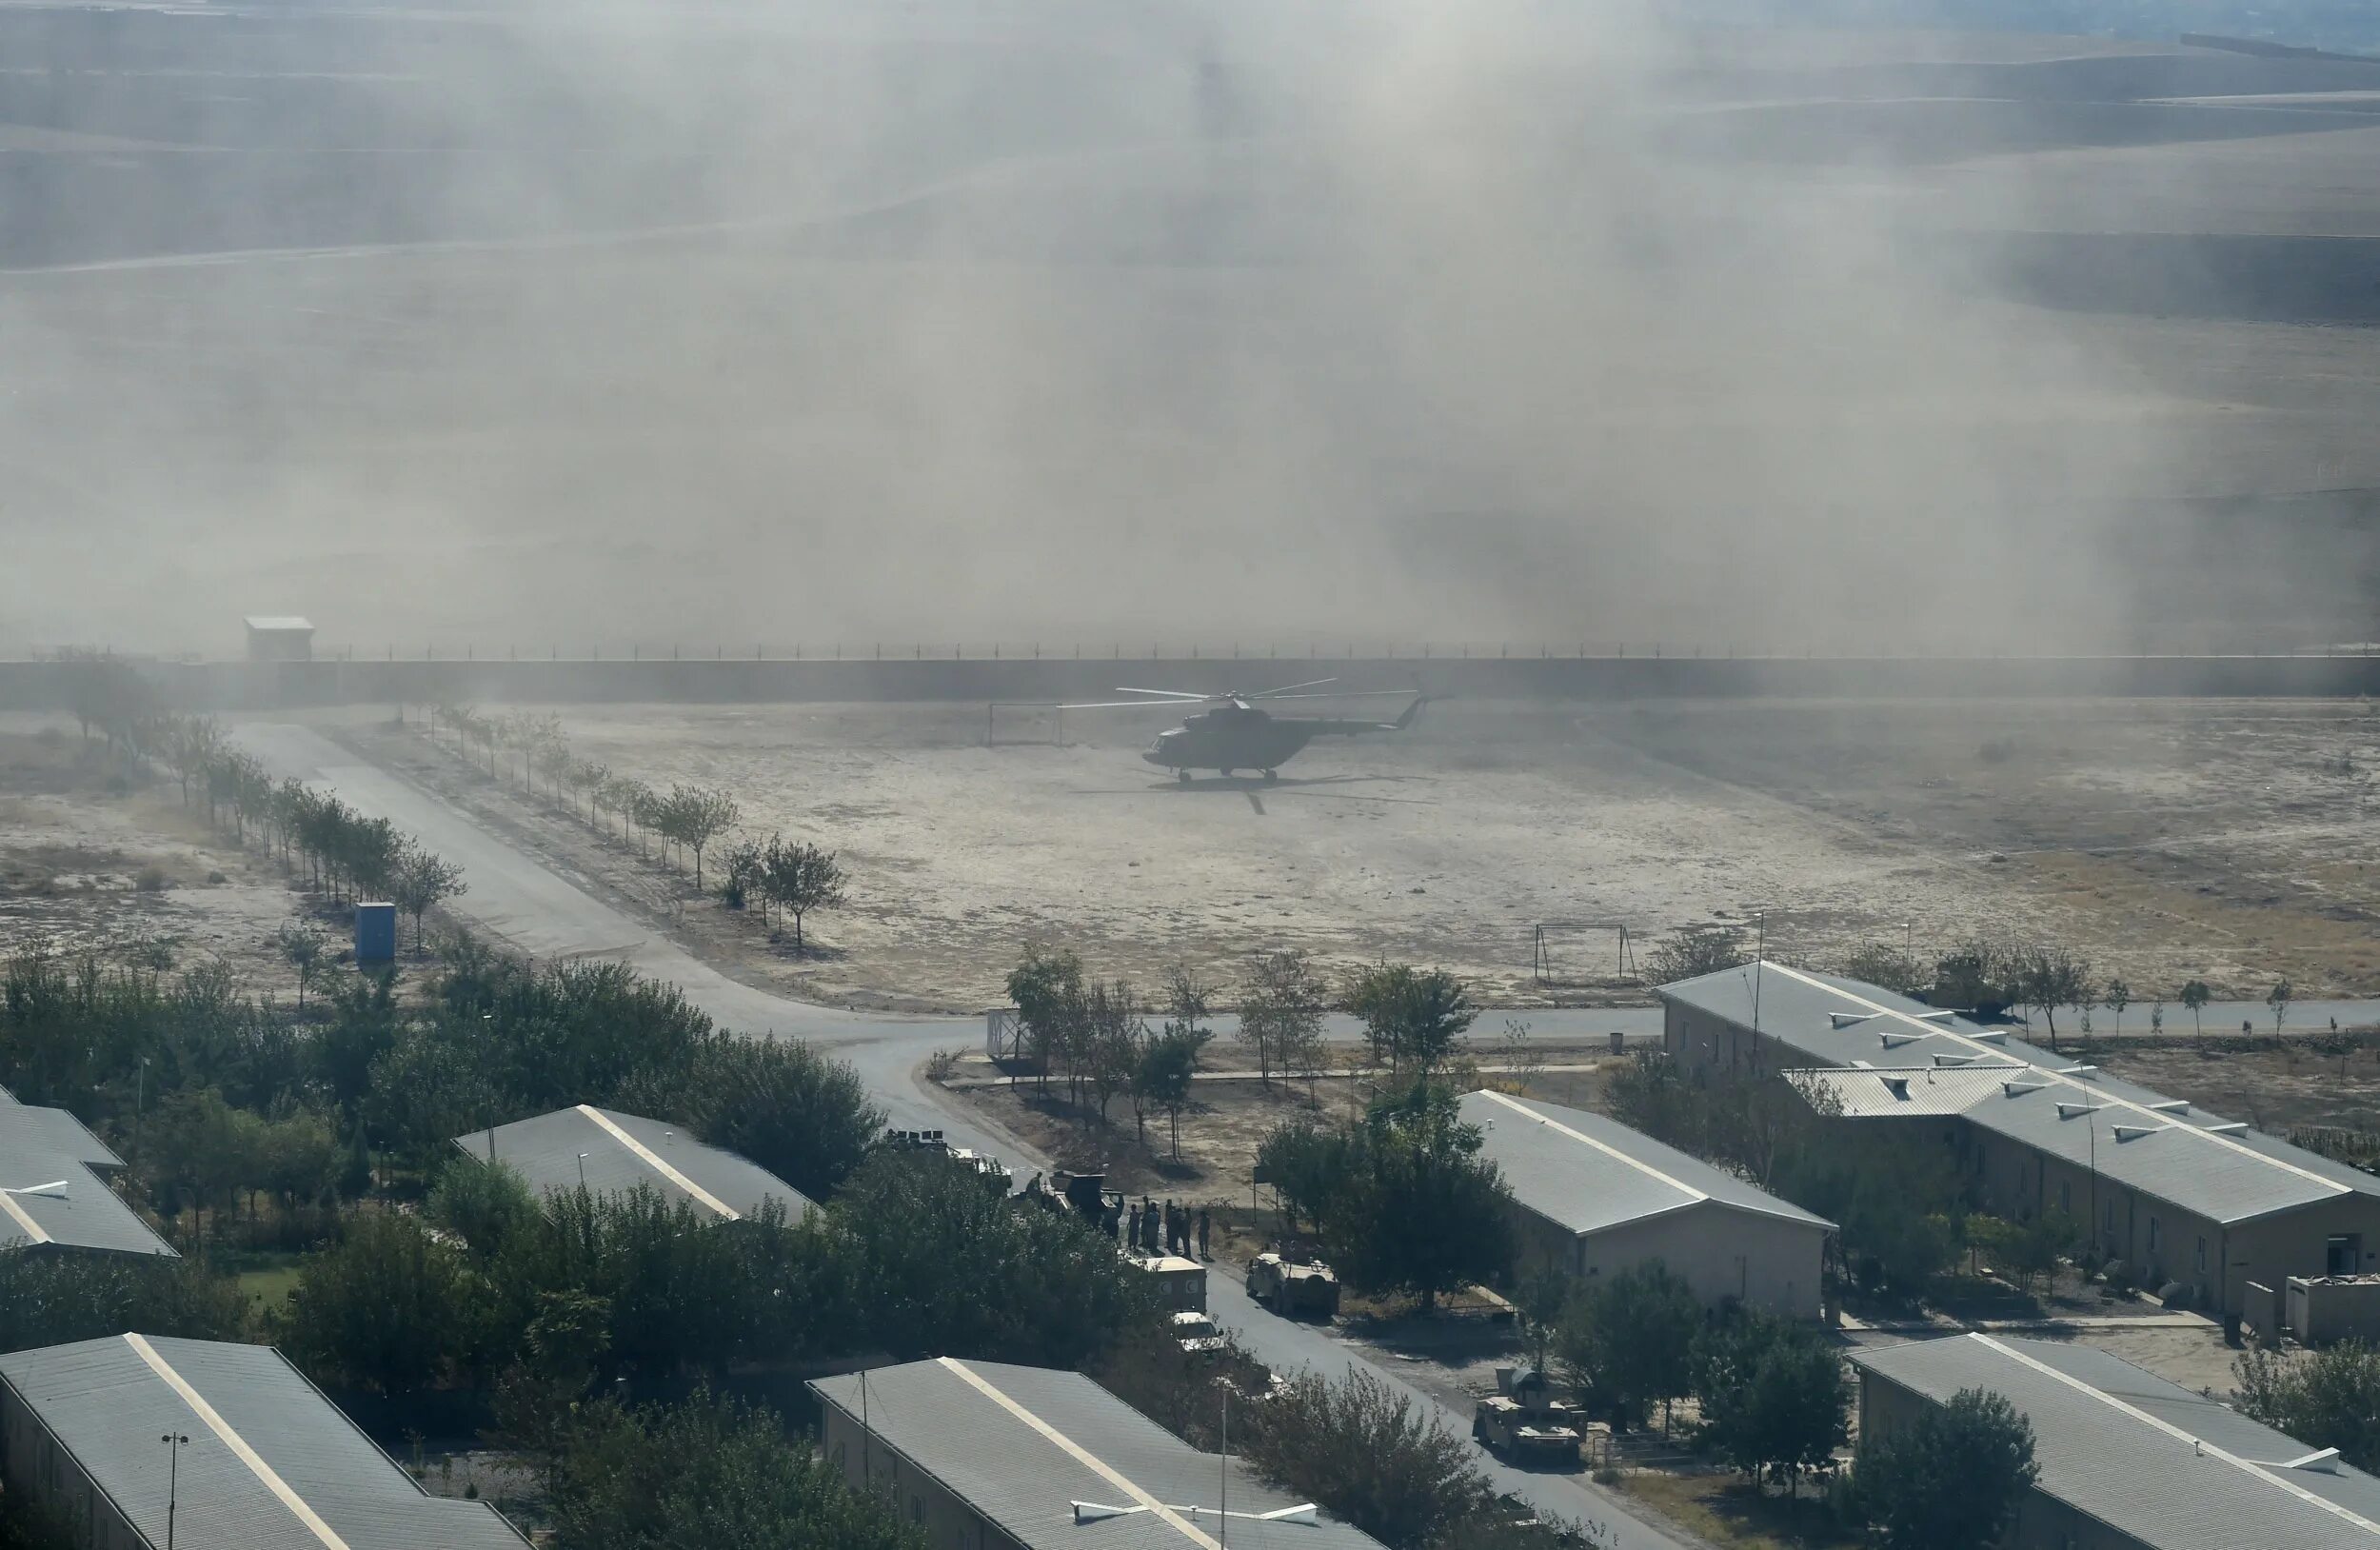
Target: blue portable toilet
<point>375,933</point>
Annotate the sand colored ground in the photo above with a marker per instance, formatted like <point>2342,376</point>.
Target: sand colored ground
<point>2217,839</point>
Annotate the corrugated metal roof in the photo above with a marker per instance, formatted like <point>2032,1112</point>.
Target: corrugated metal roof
<point>2173,1469</point>
<point>49,1145</point>
<point>625,1150</point>
<point>2170,1149</point>
<point>1000,1458</point>
<point>1589,1173</point>
<point>107,1406</point>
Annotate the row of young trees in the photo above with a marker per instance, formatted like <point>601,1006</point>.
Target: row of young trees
<point>1979,974</point>
<point>787,880</point>
<point>1095,1035</point>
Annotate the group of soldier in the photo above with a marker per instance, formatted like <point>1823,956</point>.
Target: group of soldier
<point>1139,1230</point>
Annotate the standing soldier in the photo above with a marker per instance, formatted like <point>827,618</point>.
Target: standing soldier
<point>1132,1234</point>
<point>1202,1253</point>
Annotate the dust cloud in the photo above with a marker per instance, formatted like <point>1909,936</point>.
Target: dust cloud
<point>556,330</point>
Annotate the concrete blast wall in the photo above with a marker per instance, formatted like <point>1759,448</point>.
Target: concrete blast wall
<point>242,686</point>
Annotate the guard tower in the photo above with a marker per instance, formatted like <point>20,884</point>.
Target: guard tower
<point>279,639</point>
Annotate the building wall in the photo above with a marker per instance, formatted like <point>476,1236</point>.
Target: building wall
<point>1766,1263</point>
<point>2043,1523</point>
<point>869,1464</point>
<point>31,1461</point>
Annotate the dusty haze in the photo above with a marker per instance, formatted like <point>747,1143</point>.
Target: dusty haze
<point>558,329</point>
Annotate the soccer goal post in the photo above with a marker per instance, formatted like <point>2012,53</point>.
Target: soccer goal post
<point>1574,947</point>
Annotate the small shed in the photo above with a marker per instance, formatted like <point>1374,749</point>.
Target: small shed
<point>279,638</point>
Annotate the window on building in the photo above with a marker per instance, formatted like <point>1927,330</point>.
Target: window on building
<point>2066,1199</point>
<point>916,1510</point>
<point>2202,1253</point>
<point>2109,1214</point>
<point>2152,1235</point>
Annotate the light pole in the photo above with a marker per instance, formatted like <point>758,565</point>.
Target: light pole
<point>582,1173</point>
<point>174,1444</point>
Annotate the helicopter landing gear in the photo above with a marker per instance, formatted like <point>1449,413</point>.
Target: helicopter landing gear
<point>1226,773</point>
<point>1182,775</point>
<point>1271,775</point>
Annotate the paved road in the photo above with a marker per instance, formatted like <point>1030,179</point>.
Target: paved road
<point>522,903</point>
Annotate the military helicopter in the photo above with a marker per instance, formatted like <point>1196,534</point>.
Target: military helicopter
<point>1238,734</point>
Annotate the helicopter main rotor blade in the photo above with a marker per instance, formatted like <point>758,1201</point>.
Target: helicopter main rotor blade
<point>1125,704</point>
<point>1348,694</point>
<point>1168,694</point>
<point>1267,694</point>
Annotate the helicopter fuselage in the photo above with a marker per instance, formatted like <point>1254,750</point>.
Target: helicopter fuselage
<point>1235,737</point>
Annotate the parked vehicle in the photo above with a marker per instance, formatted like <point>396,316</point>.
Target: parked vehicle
<point>1294,1286</point>
<point>1524,1423</point>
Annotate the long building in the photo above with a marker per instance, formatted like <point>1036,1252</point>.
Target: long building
<point>52,1195</point>
<point>611,1153</point>
<point>1594,1198</point>
<point>260,1459</point>
<point>984,1456</point>
<point>2128,1461</point>
<point>2179,1195</point>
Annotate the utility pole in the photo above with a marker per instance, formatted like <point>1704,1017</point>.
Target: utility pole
<point>174,1444</point>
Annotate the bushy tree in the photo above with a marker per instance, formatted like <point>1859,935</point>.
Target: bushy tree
<point>391,1307</point>
<point>1951,1478</point>
<point>803,1116</point>
<point>1282,1003</point>
<point>1414,1019</point>
<point>1772,1396</point>
<point>1695,950</point>
<point>1403,1200</point>
<point>1162,1078</point>
<point>1369,1453</point>
<point>51,1298</point>
<point>947,1267</point>
<point>1046,986</point>
<point>801,878</point>
<point>706,1474</point>
<point>420,881</point>
<point>2327,1399</point>
<point>1627,1337</point>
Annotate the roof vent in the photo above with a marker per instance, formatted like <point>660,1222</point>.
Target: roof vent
<point>2232,1128</point>
<point>1848,1020</point>
<point>2077,1071</point>
<point>1993,1037</point>
<point>2067,1111</point>
<point>2012,1088</point>
<point>1894,1041</point>
<point>1898,1087</point>
<point>2134,1132</point>
<point>2169,1105</point>
<point>1935,1017</point>
<point>2327,1461</point>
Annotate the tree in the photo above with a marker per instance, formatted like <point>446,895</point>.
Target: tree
<point>1047,990</point>
<point>802,1115</point>
<point>2195,996</point>
<point>706,1474</point>
<point>741,871</point>
<point>1880,963</point>
<point>1114,1036</point>
<point>1984,976</point>
<point>702,816</point>
<point>1368,1454</point>
<point>391,1307</point>
<point>2115,998</point>
<point>1950,1479</point>
<point>1772,1396</point>
<point>950,1268</point>
<point>2051,978</point>
<point>1161,1081</point>
<point>1695,950</point>
<point>196,743</point>
<point>802,877</point>
<point>1409,1205</point>
<point>1628,1337</point>
<point>2278,1000</point>
<point>2326,1399</point>
<point>302,945</point>
<point>419,883</point>
<point>1412,1016</point>
<point>1281,1006</point>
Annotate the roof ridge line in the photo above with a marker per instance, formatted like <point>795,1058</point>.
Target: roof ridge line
<point>1977,1044</point>
<point>1079,1453</point>
<point>229,1437</point>
<point>1638,1163</point>
<point>653,1159</point>
<point>2247,1467</point>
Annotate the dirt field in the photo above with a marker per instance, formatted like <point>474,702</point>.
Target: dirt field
<point>2226,841</point>
<point>90,862</point>
<point>2273,1089</point>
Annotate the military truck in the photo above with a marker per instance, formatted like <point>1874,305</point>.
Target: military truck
<point>1293,1284</point>
<point>1181,1283</point>
<point>1522,1423</point>
<point>991,1170</point>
